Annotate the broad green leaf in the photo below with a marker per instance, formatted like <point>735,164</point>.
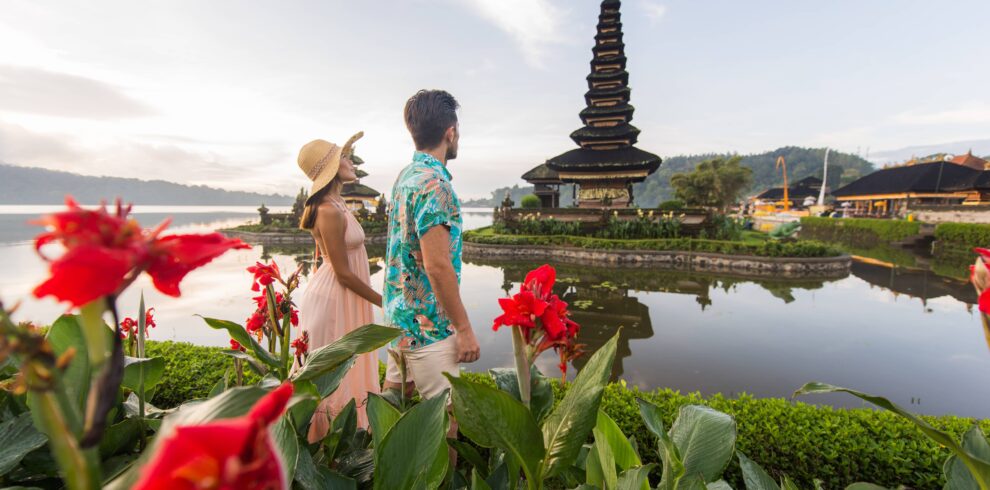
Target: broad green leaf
<point>358,341</point>
<point>342,429</point>
<point>673,467</point>
<point>957,476</point>
<point>307,476</point>
<point>66,333</point>
<point>478,483</point>
<point>635,478</point>
<point>871,486</point>
<point>541,394</point>
<point>705,440</point>
<point>787,484</point>
<point>499,478</point>
<point>336,481</point>
<point>153,370</point>
<point>287,444</point>
<point>754,476</point>
<point>328,383</point>
<point>471,455</point>
<point>242,337</point>
<point>606,460</point>
<point>150,411</point>
<point>493,418</point>
<point>382,416</point>
<point>252,362</point>
<point>410,448</point>
<point>567,428</point>
<point>718,485</point>
<point>438,469</point>
<point>358,466</point>
<point>17,438</point>
<point>978,466</point>
<point>622,450</point>
<point>120,436</point>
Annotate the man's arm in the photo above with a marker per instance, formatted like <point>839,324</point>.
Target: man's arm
<point>435,246</point>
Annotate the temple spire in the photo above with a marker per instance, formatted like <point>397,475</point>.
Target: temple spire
<point>607,163</point>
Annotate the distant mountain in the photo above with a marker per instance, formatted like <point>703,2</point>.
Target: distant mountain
<point>27,185</point>
<point>801,162</point>
<point>979,147</point>
<point>517,193</point>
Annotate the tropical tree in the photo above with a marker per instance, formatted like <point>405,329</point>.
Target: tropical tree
<point>713,183</point>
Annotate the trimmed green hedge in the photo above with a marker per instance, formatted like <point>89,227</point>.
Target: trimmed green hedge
<point>838,446</point>
<point>802,249</point>
<point>858,231</point>
<point>963,235</point>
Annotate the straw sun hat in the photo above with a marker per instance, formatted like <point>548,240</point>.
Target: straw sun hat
<point>320,160</point>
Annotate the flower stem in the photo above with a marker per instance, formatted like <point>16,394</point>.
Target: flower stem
<point>79,467</point>
<point>94,332</point>
<point>522,365</point>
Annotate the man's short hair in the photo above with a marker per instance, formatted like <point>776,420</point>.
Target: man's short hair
<point>428,114</point>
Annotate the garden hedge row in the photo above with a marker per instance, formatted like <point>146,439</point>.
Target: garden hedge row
<point>802,249</point>
<point>837,446</point>
<point>963,235</point>
<point>858,231</point>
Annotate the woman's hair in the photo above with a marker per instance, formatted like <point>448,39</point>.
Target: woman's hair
<point>308,219</point>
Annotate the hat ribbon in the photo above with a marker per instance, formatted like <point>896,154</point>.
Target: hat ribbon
<point>320,165</point>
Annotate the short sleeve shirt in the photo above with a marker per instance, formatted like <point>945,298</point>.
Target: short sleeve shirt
<point>422,198</point>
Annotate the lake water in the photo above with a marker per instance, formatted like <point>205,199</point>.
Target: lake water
<point>909,334</point>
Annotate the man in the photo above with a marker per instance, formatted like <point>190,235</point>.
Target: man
<point>423,258</point>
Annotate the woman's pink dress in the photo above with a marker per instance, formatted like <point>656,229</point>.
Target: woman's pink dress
<point>329,310</point>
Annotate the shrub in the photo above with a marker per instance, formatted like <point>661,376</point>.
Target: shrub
<point>963,235</point>
<point>801,249</point>
<point>530,201</point>
<point>643,227</point>
<point>838,446</point>
<point>672,205</point>
<point>858,231</point>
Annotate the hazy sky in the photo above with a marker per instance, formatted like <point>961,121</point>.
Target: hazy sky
<point>223,93</point>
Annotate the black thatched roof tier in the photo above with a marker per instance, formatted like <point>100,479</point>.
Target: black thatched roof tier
<point>623,93</point>
<point>354,189</point>
<point>604,48</point>
<point>926,177</point>
<point>356,160</point>
<point>619,60</point>
<point>777,193</point>
<point>611,76</point>
<point>601,36</point>
<point>360,173</point>
<point>623,110</point>
<point>592,134</point>
<point>603,17</point>
<point>609,25</point>
<point>541,174</point>
<point>622,159</point>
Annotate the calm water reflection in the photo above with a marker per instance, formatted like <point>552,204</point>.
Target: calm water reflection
<point>906,333</point>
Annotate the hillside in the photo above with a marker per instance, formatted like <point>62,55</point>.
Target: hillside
<point>801,163</point>
<point>517,193</point>
<point>26,185</point>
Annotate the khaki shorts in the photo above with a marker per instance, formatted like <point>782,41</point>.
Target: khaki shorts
<point>425,366</point>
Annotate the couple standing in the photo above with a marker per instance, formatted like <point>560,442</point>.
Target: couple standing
<point>422,263</point>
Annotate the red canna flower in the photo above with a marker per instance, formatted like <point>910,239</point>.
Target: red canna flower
<point>225,454</point>
<point>235,345</point>
<point>128,327</point>
<point>104,252</point>
<point>264,274</point>
<point>540,281</point>
<point>255,322</point>
<point>301,346</point>
<point>294,317</point>
<point>520,310</point>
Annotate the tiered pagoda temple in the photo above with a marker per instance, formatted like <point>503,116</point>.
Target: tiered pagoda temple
<point>607,163</point>
<point>356,194</point>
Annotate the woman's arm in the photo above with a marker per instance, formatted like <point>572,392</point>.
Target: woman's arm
<point>332,223</point>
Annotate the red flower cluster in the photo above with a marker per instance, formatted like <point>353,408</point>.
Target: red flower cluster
<point>235,345</point>
<point>257,320</point>
<point>979,275</point>
<point>301,346</point>
<point>129,326</point>
<point>536,302</point>
<point>233,453</point>
<point>264,274</point>
<point>105,252</point>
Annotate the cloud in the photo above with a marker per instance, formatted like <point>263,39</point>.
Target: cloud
<point>972,113</point>
<point>38,91</point>
<point>261,170</point>
<point>654,11</point>
<point>534,25</point>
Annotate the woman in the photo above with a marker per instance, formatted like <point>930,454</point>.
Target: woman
<point>338,298</point>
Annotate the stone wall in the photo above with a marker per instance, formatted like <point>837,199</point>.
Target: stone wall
<point>829,267</point>
<point>955,214</point>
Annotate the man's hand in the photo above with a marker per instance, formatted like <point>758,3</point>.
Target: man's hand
<point>467,345</point>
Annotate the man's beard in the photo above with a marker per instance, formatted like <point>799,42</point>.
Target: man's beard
<point>451,153</point>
